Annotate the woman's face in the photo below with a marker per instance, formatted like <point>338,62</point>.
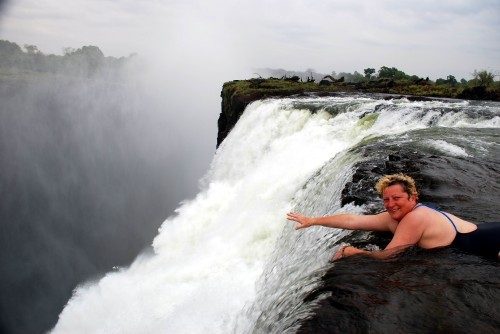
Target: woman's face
<point>397,202</point>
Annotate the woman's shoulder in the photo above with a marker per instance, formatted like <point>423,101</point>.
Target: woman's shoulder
<point>422,209</point>
<point>421,215</point>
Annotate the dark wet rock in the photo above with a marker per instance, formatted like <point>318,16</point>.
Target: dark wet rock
<point>422,291</point>
<point>460,185</point>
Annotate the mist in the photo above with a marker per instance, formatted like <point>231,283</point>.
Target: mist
<point>91,167</point>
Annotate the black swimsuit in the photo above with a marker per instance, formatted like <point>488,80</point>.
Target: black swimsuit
<point>485,240</point>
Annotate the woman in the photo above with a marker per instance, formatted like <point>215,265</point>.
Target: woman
<point>411,223</point>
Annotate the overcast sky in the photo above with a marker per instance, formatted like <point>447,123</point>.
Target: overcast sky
<point>425,37</point>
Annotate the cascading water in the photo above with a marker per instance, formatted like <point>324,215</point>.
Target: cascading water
<point>228,261</point>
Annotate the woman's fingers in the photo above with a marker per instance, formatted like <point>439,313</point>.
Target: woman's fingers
<point>302,220</point>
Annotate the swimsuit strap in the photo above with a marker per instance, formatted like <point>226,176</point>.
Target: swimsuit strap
<point>430,207</point>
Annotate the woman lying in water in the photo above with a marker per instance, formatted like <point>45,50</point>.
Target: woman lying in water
<point>411,223</point>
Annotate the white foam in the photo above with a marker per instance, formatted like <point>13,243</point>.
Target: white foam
<point>448,148</point>
<point>209,256</point>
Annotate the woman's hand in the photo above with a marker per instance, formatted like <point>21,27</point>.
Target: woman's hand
<point>340,253</point>
<point>301,219</point>
<point>347,250</point>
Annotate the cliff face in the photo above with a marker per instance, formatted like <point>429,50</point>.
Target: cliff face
<point>232,106</point>
<point>236,95</point>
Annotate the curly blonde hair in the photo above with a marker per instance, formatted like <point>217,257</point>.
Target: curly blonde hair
<point>405,181</point>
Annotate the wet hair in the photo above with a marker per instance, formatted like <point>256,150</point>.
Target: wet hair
<point>405,181</point>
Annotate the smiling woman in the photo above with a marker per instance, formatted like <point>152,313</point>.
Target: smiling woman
<point>426,227</point>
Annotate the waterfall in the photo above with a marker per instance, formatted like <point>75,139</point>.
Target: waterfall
<point>228,261</point>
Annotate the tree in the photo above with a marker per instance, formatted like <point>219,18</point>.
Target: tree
<point>10,53</point>
<point>31,49</point>
<point>68,50</point>
<point>91,52</point>
<point>351,77</point>
<point>368,72</point>
<point>451,81</point>
<point>85,61</point>
<point>440,81</point>
<point>357,77</point>
<point>392,73</point>
<point>483,78</point>
<point>9,48</point>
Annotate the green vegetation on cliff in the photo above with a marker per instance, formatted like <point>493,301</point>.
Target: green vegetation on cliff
<point>236,95</point>
<point>31,64</point>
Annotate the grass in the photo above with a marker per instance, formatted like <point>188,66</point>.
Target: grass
<point>255,89</point>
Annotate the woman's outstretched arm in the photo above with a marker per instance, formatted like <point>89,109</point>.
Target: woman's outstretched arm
<point>379,222</point>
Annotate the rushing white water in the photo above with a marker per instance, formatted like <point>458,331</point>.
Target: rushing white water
<point>208,258</point>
